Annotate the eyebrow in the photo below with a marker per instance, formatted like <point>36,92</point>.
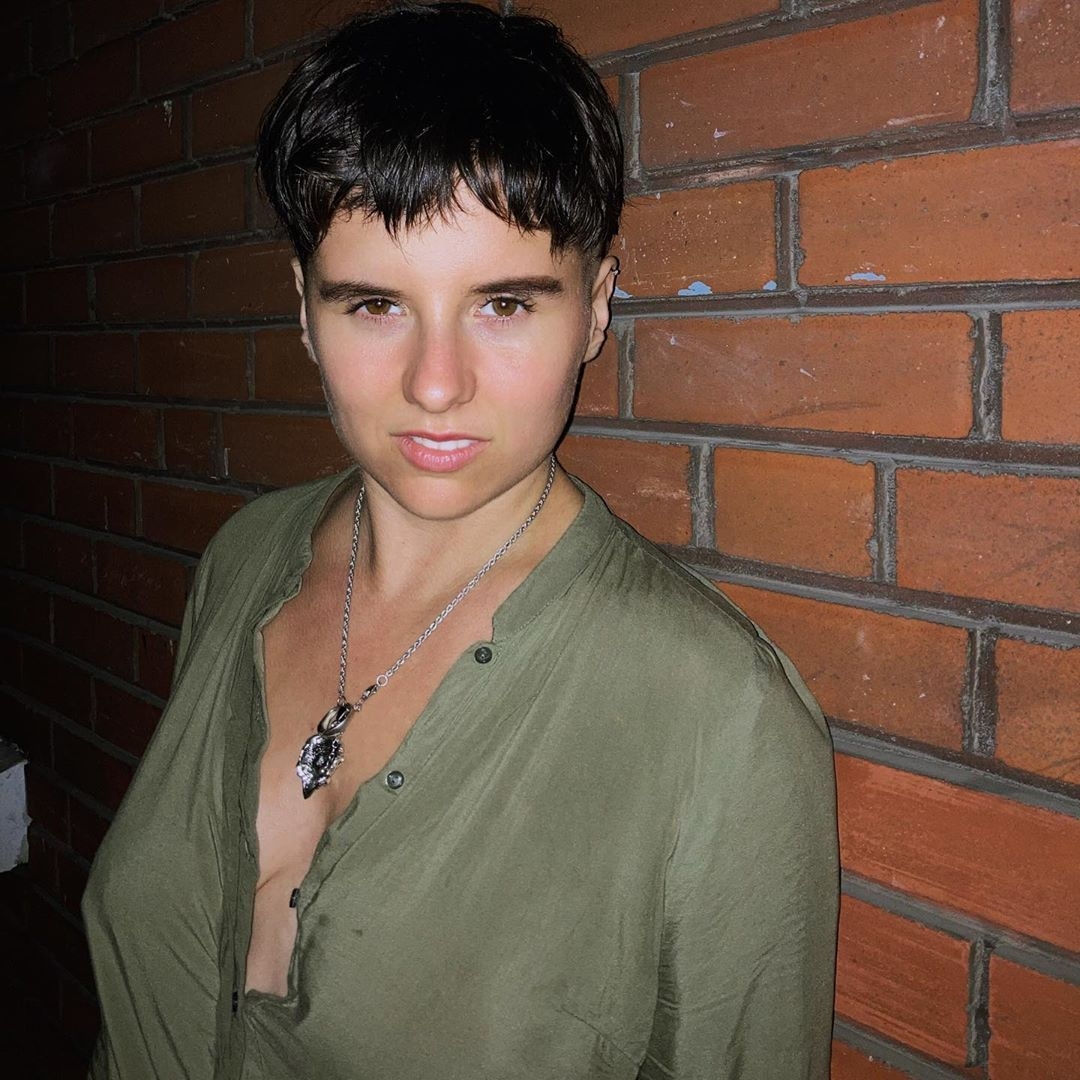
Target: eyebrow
<point>340,292</point>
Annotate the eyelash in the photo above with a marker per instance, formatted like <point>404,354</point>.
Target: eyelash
<point>525,305</point>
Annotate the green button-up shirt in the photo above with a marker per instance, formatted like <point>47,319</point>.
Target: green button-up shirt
<point>613,854</point>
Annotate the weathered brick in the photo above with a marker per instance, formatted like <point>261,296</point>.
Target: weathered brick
<point>197,364</point>
<point>12,302</point>
<point>142,289</point>
<point>1042,369</point>
<point>95,636</point>
<point>702,240</point>
<point>47,804</point>
<point>104,221</point>
<point>599,392</point>
<point>183,517</point>
<point>191,442</point>
<point>57,164</point>
<point>26,485</point>
<point>1000,537</point>
<point>26,236</point>
<point>26,363</point>
<point>280,450</point>
<point>226,115</point>
<point>194,205</point>
<point>156,656</point>
<point>1038,727</point>
<point>1006,213</point>
<point>892,374</point>
<point>116,434</point>
<point>123,719</point>
<point>141,581</point>
<point>1045,48</point>
<point>96,362</point>
<point>95,500</point>
<point>1011,864</point>
<point>96,82</point>
<point>27,111</point>
<point>647,484</point>
<point>27,609</point>
<point>247,279</point>
<point>197,43</point>
<point>283,369</point>
<point>910,68</point>
<point>50,33</point>
<point>15,52</point>
<point>1035,1024</point>
<point>102,20</point>
<point>896,675</point>
<point>57,296</point>
<point>46,427</point>
<point>87,829</point>
<point>796,509</point>
<point>57,684</point>
<point>12,176</point>
<point>627,23</point>
<point>100,775</point>
<point>138,141</point>
<point>278,22</point>
<point>58,555</point>
<point>902,979</point>
<point>851,1064</point>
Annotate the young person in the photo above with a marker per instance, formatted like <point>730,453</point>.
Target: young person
<point>460,777</point>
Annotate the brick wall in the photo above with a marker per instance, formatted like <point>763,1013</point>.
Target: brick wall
<point>842,381</point>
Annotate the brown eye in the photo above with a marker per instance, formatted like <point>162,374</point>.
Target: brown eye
<point>377,305</point>
<point>505,306</point>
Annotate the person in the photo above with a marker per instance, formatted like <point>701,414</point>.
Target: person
<point>460,776</point>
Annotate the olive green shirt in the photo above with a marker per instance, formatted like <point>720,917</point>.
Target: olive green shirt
<point>612,855</point>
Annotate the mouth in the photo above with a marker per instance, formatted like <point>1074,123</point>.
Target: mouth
<point>443,452</point>
<point>442,444</point>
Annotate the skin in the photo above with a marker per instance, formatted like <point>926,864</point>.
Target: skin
<point>463,326</point>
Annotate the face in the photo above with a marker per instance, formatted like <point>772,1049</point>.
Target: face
<point>450,353</point>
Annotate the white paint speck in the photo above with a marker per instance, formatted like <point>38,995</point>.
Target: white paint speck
<point>808,374</point>
<point>167,107</point>
<point>769,286</point>
<point>670,124</point>
<point>718,134</point>
<point>865,275</point>
<point>622,294</point>
<point>696,288</point>
<point>940,21</point>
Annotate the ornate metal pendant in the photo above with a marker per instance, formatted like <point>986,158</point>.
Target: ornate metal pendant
<point>322,752</point>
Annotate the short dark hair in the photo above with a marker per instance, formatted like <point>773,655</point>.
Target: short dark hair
<point>398,107</point>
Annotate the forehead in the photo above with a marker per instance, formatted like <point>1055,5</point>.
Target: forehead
<point>465,242</point>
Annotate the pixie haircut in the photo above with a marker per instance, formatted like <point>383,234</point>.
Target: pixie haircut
<point>399,107</point>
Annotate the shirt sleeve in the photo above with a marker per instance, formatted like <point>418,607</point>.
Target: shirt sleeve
<point>751,897</point>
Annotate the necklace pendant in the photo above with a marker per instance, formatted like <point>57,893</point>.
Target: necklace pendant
<point>322,752</point>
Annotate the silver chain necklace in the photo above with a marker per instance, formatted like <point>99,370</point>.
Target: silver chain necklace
<point>322,752</point>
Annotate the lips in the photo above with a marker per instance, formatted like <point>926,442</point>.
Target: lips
<point>443,452</point>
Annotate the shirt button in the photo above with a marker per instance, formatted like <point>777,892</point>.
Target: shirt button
<point>483,655</point>
<point>394,779</point>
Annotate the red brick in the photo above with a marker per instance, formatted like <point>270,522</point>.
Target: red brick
<point>626,23</point>
<point>647,484</point>
<point>26,361</point>
<point>90,769</point>
<point>1006,213</point>
<point>94,636</point>
<point>154,585</point>
<point>138,141</point>
<point>892,674</point>
<point>1008,538</point>
<point>12,305</point>
<point>890,374</point>
<point>194,206</point>
<point>226,115</point>
<point>71,876</point>
<point>191,442</point>
<point>26,114</point>
<point>903,980</point>
<point>57,684</point>
<point>57,164</point>
<point>26,609</point>
<point>1038,726</point>
<point>97,362</point>
<point>280,450</point>
<point>79,1012</point>
<point>599,392</point>
<point>102,20</point>
<point>50,33</point>
<point>193,365</point>
<point>249,279</point>
<point>1011,864</point>
<point>912,68</point>
<point>1034,1023</point>
<point>26,237</point>
<point>26,485</point>
<point>715,239</point>
<point>156,656</point>
<point>195,44</point>
<point>95,500</point>
<point>96,82</point>
<point>1045,48</point>
<point>47,804</point>
<point>46,427</point>
<point>29,730</point>
<point>12,180</point>
<point>104,221</point>
<point>283,369</point>
<point>1042,368</point>
<point>794,509</point>
<point>123,719</point>
<point>57,296</point>
<point>183,517</point>
<point>58,555</point>
<point>15,52</point>
<point>87,829</point>
<point>278,22</point>
<point>117,434</point>
<point>142,289</point>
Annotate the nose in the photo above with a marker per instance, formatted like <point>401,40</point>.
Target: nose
<point>439,374</point>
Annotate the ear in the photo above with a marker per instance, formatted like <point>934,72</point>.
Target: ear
<point>600,306</point>
<point>298,280</point>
